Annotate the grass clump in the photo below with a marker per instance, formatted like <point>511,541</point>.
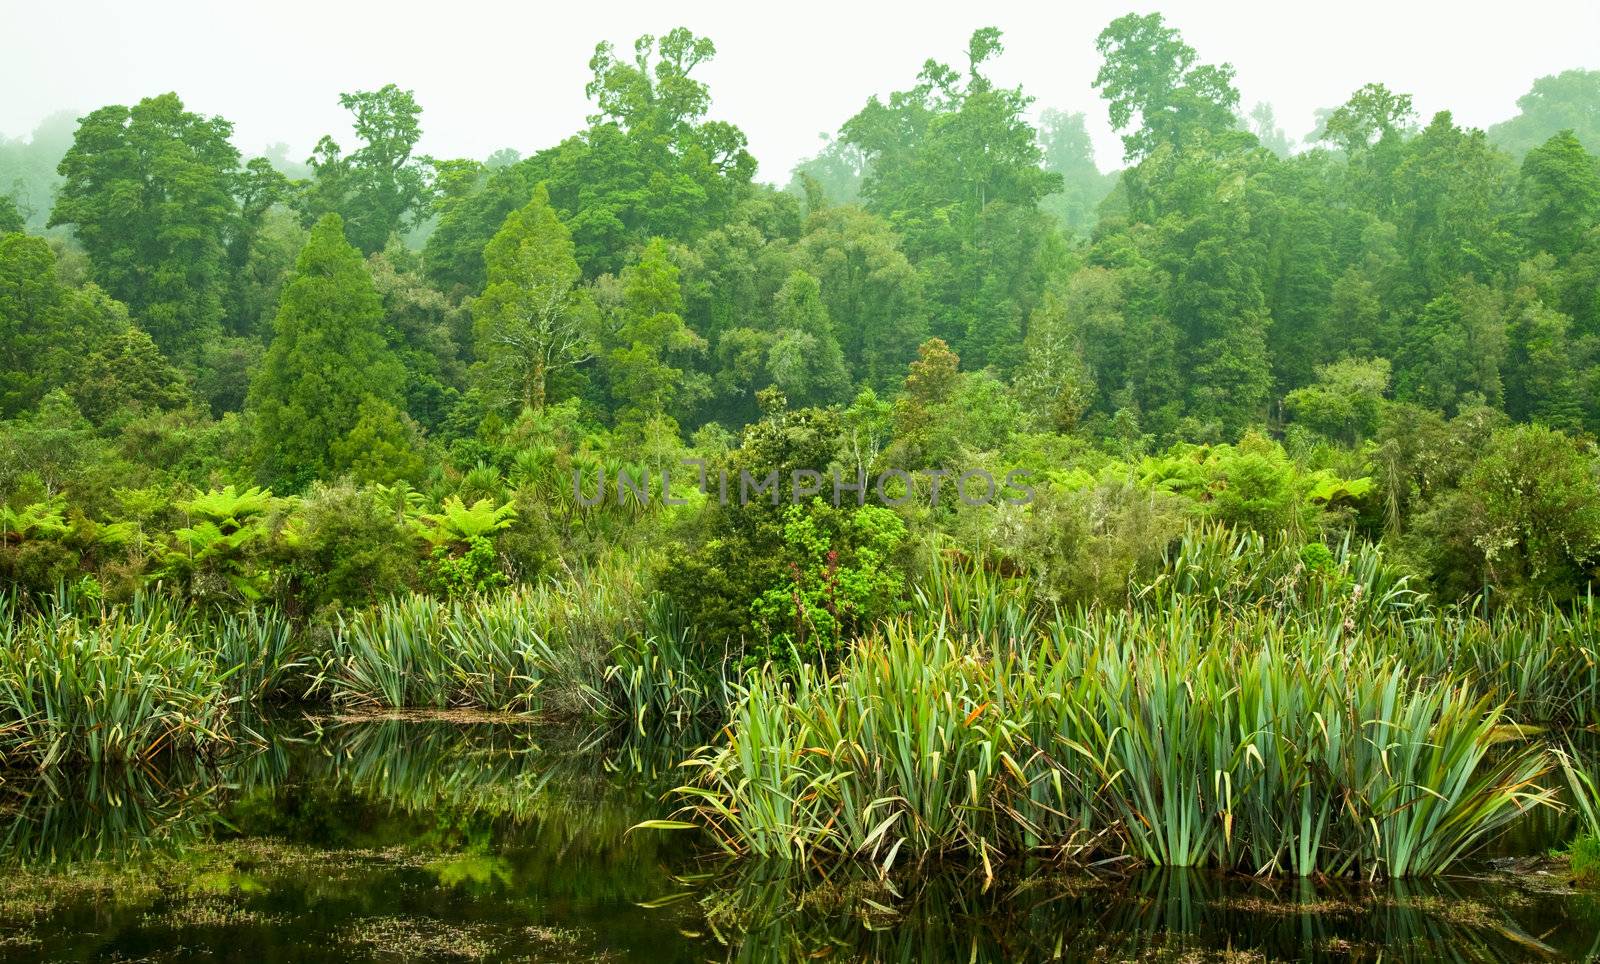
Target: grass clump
<point>1584,789</point>
<point>537,649</point>
<point>1182,738</point>
<point>121,689</point>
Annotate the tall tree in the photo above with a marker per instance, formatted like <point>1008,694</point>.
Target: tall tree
<point>833,175</point>
<point>871,290</point>
<point>328,365</point>
<point>259,187</point>
<point>11,220</point>
<point>28,166</point>
<point>1149,73</point>
<point>1568,101</point>
<point>956,167</point>
<point>1371,129</point>
<point>1054,385</point>
<point>1453,197</point>
<point>1067,151</point>
<point>649,342</point>
<point>1452,356</point>
<point>1264,124</point>
<point>1372,116</point>
<point>805,361</point>
<point>128,375</point>
<point>469,215</point>
<point>148,190</point>
<point>432,337</point>
<point>46,327</point>
<point>534,318</point>
<point>1219,306</point>
<point>382,186</point>
<point>649,165</point>
<point>1561,195</point>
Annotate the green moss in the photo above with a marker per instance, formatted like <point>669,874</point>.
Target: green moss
<point>1585,860</point>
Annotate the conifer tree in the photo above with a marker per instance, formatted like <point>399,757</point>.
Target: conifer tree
<point>328,362</point>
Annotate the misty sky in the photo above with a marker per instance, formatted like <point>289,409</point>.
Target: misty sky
<point>512,75</point>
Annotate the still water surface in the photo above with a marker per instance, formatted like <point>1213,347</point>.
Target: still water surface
<point>404,840</point>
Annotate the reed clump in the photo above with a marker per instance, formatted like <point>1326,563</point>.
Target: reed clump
<point>121,689</point>
<point>1186,737</point>
<point>82,682</point>
<point>563,648</point>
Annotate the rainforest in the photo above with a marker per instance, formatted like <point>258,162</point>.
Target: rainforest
<point>944,550</point>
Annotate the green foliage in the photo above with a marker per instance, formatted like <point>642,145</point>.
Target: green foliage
<point>35,552</point>
<point>384,447</point>
<point>1067,151</point>
<point>40,520</point>
<point>533,649</point>
<point>1086,540</point>
<point>1374,118</point>
<point>1346,401</point>
<point>28,167</point>
<point>1173,739</point>
<point>1454,355</point>
<point>229,508</point>
<point>342,546</point>
<point>1584,855</point>
<point>871,290</point>
<point>382,186</point>
<point>805,361</point>
<point>466,572</point>
<point>1562,183</point>
<point>1584,791</point>
<point>328,361</point>
<point>11,220</point>
<point>463,560</point>
<point>533,321</point>
<point>470,214</point>
<point>120,691</point>
<point>1527,516</point>
<point>646,336</point>
<point>1557,102</point>
<point>841,579</point>
<point>1263,398</point>
<point>459,523</point>
<point>128,375</point>
<point>650,117</point>
<point>429,333</point>
<point>46,327</point>
<point>214,558</point>
<point>1149,72</point>
<point>659,674</point>
<point>149,192</point>
<point>1253,485</point>
<point>953,165</point>
<point>261,652</point>
<point>774,579</point>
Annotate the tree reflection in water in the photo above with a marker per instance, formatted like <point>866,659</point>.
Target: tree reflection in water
<point>512,841</point>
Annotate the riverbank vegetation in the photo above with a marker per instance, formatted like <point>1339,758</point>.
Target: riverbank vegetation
<point>1301,582</point>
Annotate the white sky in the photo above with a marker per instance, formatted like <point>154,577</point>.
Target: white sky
<point>492,75</point>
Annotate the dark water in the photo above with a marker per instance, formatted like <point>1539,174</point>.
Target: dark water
<point>444,841</point>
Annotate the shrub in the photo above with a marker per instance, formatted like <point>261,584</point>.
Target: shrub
<point>778,579</point>
<point>342,546</point>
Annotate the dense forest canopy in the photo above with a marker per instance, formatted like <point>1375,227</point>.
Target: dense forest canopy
<point>329,380</point>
